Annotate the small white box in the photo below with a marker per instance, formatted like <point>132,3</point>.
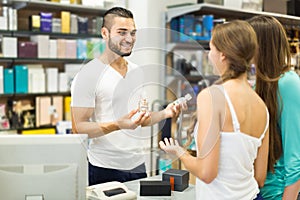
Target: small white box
<point>53,48</point>
<point>52,79</point>
<point>9,47</point>
<point>3,23</point>
<point>39,85</point>
<point>43,45</point>
<point>63,85</point>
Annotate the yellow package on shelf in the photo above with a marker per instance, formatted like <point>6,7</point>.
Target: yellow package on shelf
<point>67,106</point>
<point>39,131</point>
<point>65,21</point>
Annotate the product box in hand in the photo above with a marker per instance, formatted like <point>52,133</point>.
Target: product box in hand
<point>179,179</point>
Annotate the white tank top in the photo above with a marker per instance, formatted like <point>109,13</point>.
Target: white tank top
<point>235,179</point>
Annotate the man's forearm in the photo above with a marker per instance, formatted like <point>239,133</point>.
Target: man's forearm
<point>94,129</point>
<point>155,118</point>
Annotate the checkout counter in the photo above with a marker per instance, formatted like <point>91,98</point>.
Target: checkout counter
<point>132,191</point>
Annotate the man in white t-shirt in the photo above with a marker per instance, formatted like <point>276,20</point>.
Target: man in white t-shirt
<point>104,94</point>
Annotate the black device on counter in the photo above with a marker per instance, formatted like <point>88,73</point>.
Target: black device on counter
<point>155,188</point>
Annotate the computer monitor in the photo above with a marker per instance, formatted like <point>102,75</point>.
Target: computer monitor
<point>43,167</point>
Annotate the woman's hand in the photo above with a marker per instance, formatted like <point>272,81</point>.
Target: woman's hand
<point>172,147</point>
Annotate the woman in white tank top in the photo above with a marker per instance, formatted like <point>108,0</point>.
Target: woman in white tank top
<point>231,132</point>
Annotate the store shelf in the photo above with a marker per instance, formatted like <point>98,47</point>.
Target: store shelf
<point>18,130</point>
<point>225,12</point>
<point>34,94</point>
<point>39,60</point>
<point>5,33</point>
<point>190,45</point>
<point>52,6</point>
<point>53,35</point>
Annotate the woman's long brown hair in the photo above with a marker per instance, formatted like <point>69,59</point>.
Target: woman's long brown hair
<point>272,60</point>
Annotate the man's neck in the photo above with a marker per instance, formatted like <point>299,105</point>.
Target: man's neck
<point>114,61</point>
<point>118,63</point>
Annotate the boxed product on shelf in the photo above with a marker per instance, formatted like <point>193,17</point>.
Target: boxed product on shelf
<point>42,45</point>
<point>83,25</point>
<point>36,78</point>
<point>4,18</point>
<point>51,79</point>
<point>52,48</point>
<point>27,49</point>
<point>56,25</point>
<point>63,85</point>
<point>82,48</point>
<point>65,21</point>
<point>9,85</point>
<point>71,49</point>
<point>34,22</point>
<point>46,22</point>
<point>9,47</point>
<point>74,24</point>
<point>61,48</point>
<point>21,78</point>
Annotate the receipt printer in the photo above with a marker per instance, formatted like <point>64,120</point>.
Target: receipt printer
<point>179,179</point>
<point>109,191</point>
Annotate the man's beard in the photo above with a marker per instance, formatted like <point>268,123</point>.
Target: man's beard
<point>114,48</point>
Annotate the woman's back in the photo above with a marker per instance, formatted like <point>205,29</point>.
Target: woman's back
<point>248,106</point>
<point>239,143</point>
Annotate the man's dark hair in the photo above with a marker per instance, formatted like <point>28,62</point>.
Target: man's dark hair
<point>115,12</point>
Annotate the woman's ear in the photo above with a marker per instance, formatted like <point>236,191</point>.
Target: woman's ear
<point>222,57</point>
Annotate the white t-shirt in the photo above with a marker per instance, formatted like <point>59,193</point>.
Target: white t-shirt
<point>235,179</point>
<point>101,87</point>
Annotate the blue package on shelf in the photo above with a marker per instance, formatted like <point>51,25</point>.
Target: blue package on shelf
<point>21,78</point>
<point>174,25</point>
<point>81,48</point>
<point>186,27</point>
<point>46,22</point>
<point>8,81</point>
<point>208,25</point>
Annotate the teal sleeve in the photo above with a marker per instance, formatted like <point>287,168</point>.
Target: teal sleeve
<point>289,87</point>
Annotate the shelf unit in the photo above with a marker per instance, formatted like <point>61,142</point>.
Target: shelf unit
<point>218,11</point>
<point>198,10</point>
<point>225,12</point>
<point>53,6</point>
<point>25,8</point>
